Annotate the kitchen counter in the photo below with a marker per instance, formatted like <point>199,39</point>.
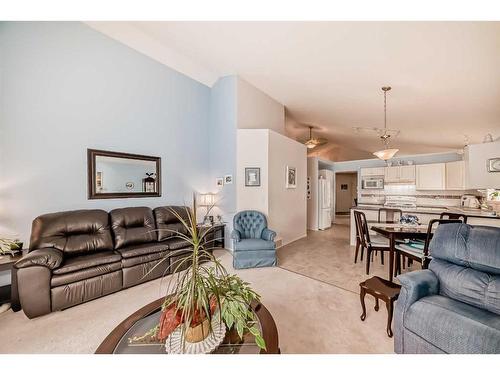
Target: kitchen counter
<point>425,214</point>
<point>470,212</point>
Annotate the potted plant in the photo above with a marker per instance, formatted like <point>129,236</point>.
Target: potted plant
<point>10,246</point>
<point>204,295</point>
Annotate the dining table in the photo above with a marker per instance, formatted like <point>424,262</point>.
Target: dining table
<point>398,232</point>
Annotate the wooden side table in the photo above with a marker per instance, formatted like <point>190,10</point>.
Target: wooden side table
<point>216,234</point>
<point>382,289</point>
<point>6,263</point>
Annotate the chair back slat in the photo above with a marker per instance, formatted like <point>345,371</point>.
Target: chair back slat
<point>362,228</point>
<point>453,216</point>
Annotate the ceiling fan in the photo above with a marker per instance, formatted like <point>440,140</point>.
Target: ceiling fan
<point>312,142</point>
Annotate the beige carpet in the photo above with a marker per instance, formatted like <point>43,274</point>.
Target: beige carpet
<point>311,316</point>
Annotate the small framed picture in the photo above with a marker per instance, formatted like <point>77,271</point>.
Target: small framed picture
<point>219,181</point>
<point>291,177</point>
<point>252,176</point>
<point>228,179</point>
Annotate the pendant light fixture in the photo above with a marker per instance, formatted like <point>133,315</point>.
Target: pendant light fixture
<point>387,153</point>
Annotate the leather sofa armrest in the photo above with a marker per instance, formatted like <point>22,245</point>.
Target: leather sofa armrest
<point>46,257</point>
<point>414,286</point>
<point>268,234</point>
<point>236,235</point>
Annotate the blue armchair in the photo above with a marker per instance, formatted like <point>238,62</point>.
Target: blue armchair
<point>454,306</point>
<point>253,242</point>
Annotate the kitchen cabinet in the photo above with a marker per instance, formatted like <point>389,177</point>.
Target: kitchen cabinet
<point>391,174</point>
<point>399,174</point>
<point>431,176</point>
<point>455,175</point>
<point>378,171</point>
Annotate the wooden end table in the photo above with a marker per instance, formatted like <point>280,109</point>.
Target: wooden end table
<point>382,289</point>
<point>6,263</point>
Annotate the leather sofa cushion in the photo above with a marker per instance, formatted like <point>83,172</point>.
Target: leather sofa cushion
<point>87,273</point>
<point>254,244</point>
<point>177,243</point>
<point>167,223</point>
<point>454,326</point>
<point>468,285</point>
<point>73,232</point>
<point>130,262</point>
<point>87,261</point>
<point>133,226</point>
<point>476,247</point>
<point>144,249</point>
<point>68,295</point>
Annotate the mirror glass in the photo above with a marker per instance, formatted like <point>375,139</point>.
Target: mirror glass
<point>118,175</point>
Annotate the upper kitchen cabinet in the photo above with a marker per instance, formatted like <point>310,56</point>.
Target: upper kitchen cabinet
<point>400,174</point>
<point>431,176</point>
<point>407,173</point>
<point>378,171</point>
<point>480,164</point>
<point>455,175</point>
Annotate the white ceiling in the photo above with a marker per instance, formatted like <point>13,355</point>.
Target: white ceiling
<point>445,75</point>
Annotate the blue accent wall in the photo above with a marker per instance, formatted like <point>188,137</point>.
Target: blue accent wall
<point>222,146</point>
<point>65,87</point>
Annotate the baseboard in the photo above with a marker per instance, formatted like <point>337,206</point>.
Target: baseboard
<point>295,239</point>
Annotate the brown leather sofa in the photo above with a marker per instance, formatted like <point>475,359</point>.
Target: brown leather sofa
<point>77,256</point>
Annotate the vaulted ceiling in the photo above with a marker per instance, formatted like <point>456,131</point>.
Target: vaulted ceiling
<point>445,76</point>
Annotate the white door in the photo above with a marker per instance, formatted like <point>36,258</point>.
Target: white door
<point>431,176</point>
<point>407,173</point>
<point>455,175</point>
<point>391,174</point>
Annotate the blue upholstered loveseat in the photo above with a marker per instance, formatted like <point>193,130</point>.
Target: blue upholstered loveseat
<point>253,242</point>
<point>454,306</point>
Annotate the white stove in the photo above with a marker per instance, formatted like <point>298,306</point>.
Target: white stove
<point>400,201</point>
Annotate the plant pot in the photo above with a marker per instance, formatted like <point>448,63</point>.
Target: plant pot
<point>198,333</point>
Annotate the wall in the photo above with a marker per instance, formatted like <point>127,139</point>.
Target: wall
<point>312,203</point>
<point>257,110</point>
<point>65,87</point>
<point>253,152</point>
<point>222,148</point>
<point>477,174</point>
<point>287,207</point>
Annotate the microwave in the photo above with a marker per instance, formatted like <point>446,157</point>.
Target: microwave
<point>372,183</point>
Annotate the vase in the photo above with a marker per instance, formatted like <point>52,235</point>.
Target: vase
<point>198,333</point>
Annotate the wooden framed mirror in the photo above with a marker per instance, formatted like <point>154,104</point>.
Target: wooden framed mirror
<point>122,175</point>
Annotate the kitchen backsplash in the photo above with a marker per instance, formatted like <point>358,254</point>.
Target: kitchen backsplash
<point>445,198</point>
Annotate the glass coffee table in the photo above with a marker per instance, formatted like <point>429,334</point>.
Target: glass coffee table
<point>146,318</point>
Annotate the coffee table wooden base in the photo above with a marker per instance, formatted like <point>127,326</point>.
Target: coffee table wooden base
<point>382,289</point>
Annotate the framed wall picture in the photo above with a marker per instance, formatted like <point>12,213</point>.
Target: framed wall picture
<point>228,179</point>
<point>252,176</point>
<point>291,177</point>
<point>219,181</point>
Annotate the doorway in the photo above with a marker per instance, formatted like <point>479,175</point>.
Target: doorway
<point>346,192</point>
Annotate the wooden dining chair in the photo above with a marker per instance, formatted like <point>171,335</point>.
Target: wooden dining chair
<point>390,215</point>
<point>366,242</point>
<point>416,254</point>
<point>358,240</point>
<point>453,216</point>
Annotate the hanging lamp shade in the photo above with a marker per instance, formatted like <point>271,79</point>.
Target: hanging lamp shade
<point>386,154</point>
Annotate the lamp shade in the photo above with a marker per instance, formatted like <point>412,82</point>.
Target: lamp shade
<point>207,199</point>
<point>386,154</point>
